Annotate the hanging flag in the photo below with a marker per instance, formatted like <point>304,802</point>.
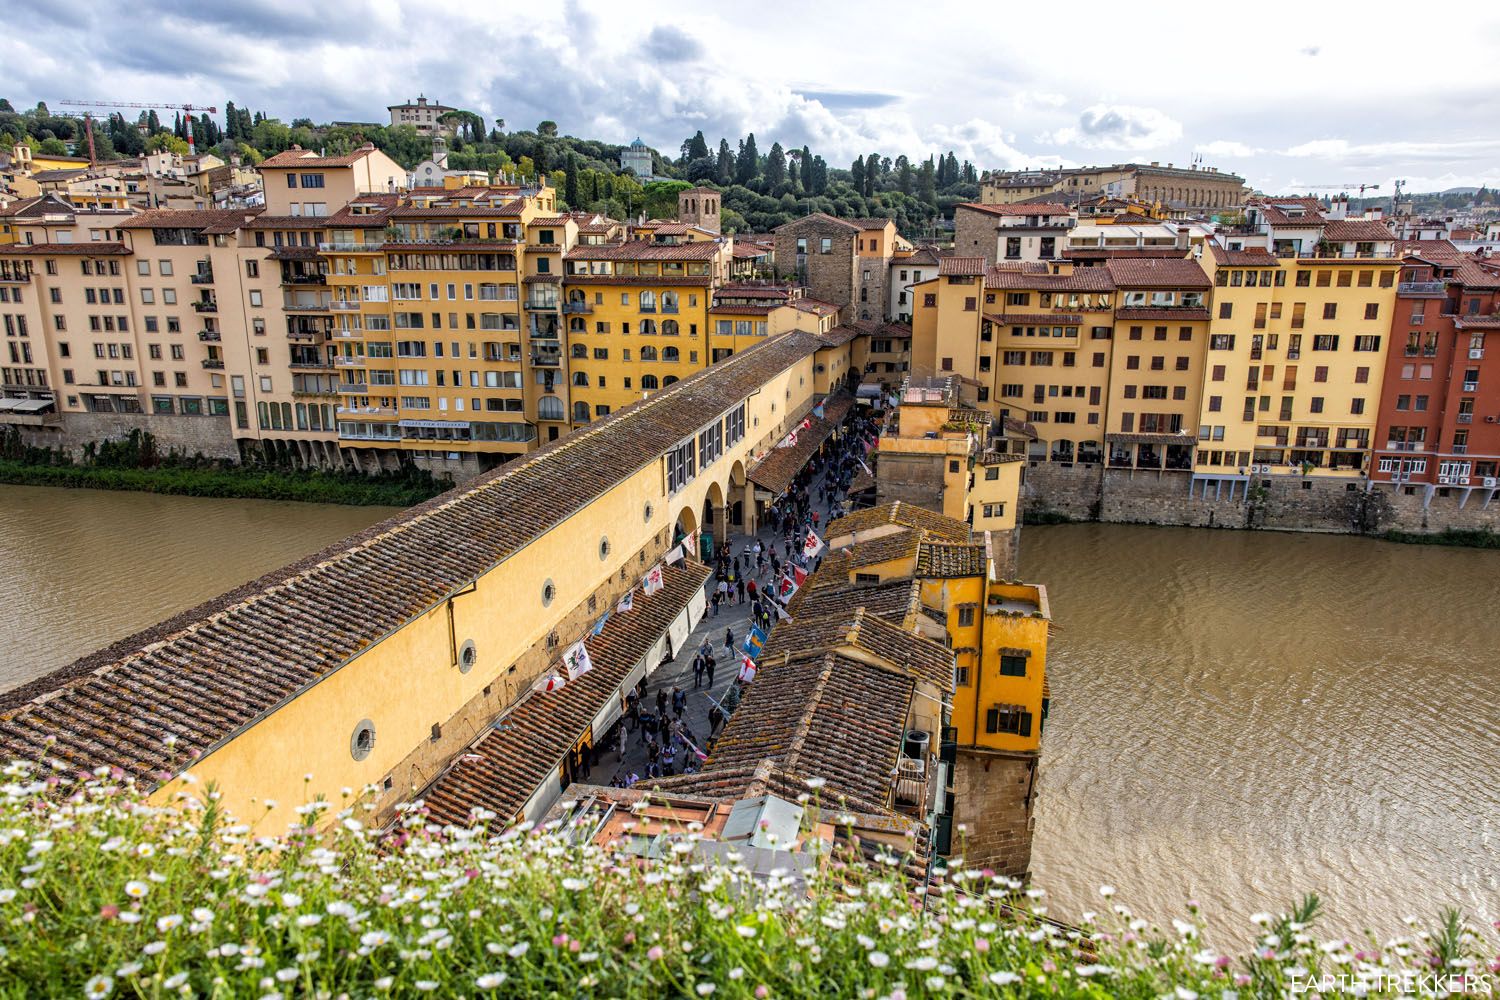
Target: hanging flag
<point>747,670</point>
<point>786,588</point>
<point>675,555</point>
<point>755,641</point>
<point>811,547</point>
<point>862,465</point>
<point>652,581</point>
<point>694,747</point>
<point>790,441</point>
<point>576,660</point>
<point>799,574</point>
<point>627,603</point>
<point>781,612</point>
<point>818,410</point>
<point>806,423</point>
<point>603,620</point>
<point>551,682</point>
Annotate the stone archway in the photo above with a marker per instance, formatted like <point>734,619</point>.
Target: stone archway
<point>741,493</point>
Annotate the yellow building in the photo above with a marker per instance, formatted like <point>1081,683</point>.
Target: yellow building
<point>746,312</point>
<point>638,318</point>
<point>1156,373</point>
<point>1302,308</point>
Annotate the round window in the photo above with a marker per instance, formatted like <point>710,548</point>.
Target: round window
<point>548,593</point>
<point>604,547</point>
<point>467,656</point>
<point>363,740</point>
<point>650,510</point>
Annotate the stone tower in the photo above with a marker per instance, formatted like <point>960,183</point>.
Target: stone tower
<point>699,207</point>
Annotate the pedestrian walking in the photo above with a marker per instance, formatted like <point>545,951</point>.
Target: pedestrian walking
<point>661,703</point>
<point>697,672</point>
<point>729,641</point>
<point>708,671</point>
<point>715,718</point>
<point>741,586</point>
<point>679,701</point>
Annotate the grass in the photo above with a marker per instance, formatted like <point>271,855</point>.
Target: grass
<point>1474,538</point>
<point>102,894</point>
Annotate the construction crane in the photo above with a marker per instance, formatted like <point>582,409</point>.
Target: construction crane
<point>88,120</point>
<point>1362,188</point>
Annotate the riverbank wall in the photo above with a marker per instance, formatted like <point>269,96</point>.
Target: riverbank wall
<point>1057,492</point>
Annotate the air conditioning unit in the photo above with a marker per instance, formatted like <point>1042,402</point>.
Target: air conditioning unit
<point>1471,387</point>
<point>1492,420</point>
<point>1462,480</point>
<point>1490,482</point>
<point>1445,480</point>
<point>1475,353</point>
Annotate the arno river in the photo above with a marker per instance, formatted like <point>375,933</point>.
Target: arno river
<point>1237,717</point>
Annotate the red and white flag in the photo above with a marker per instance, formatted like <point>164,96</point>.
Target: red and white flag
<point>812,546</point>
<point>785,588</point>
<point>627,603</point>
<point>652,581</point>
<point>551,682</point>
<point>799,574</point>
<point>747,670</point>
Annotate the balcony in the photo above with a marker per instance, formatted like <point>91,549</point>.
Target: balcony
<point>310,365</point>
<point>210,335</point>
<point>350,247</point>
<point>338,305</point>
<point>545,305</point>
<point>577,307</point>
<point>1421,288</point>
<point>1471,387</point>
<point>305,306</point>
<point>206,306</point>
<point>19,277</point>
<point>205,276</point>
<point>547,360</point>
<point>366,411</point>
<point>356,388</point>
<point>1466,418</point>
<point>347,361</point>
<point>213,364</point>
<point>304,279</point>
<point>910,788</point>
<point>347,334</point>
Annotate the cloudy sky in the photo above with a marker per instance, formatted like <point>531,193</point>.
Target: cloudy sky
<point>1287,94</point>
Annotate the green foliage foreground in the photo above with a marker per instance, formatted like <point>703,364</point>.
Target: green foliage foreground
<point>101,894</point>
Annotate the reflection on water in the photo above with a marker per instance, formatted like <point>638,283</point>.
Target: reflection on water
<point>1241,717</point>
<point>82,568</point>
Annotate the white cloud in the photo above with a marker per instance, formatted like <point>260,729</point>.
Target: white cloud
<point>1029,100</point>
<point>1226,147</point>
<point>1119,126</point>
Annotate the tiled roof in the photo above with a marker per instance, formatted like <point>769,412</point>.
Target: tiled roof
<point>506,210</point>
<point>1166,315</point>
<point>1140,438</point>
<point>1491,322</point>
<point>894,600</point>
<point>780,466</point>
<point>212,671</point>
<point>862,481</point>
<point>875,222</point>
<point>822,716</point>
<point>819,218</point>
<point>1122,253</point>
<point>840,335</point>
<point>674,280</point>
<point>1357,230</point>
<point>35,208</point>
<point>286,222</point>
<point>1010,319</point>
<point>298,157</point>
<point>950,559</point>
<point>747,290</point>
<point>503,769</point>
<point>882,548</point>
<point>907,515</point>
<point>815,306</point>
<point>186,218</point>
<point>1017,210</point>
<point>644,250</point>
<point>1473,275</point>
<point>1084,279</point>
<point>542,279</point>
<point>65,249</point>
<point>1254,257</point>
<point>905,651</point>
<point>1157,273</point>
<point>998,458</point>
<point>966,266</point>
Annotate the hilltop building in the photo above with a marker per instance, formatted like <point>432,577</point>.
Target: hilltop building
<point>422,114</point>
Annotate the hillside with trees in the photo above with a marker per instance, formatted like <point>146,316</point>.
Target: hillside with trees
<point>761,189</point>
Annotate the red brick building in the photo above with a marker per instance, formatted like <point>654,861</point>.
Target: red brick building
<point>1440,403</point>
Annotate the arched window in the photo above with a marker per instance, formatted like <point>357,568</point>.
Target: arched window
<point>648,382</point>
<point>577,296</point>
<point>668,302</point>
<point>580,378</point>
<point>648,353</point>
<point>549,408</point>
<point>668,328</point>
<point>669,354</point>
<point>648,301</point>
<point>580,351</point>
<point>580,413</point>
<point>668,380</point>
<point>648,327</point>
<point>575,325</point>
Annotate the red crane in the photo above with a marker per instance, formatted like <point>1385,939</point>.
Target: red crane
<point>88,121</point>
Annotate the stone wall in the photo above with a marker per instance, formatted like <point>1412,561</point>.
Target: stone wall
<point>1284,503</point>
<point>830,277</point>
<point>974,234</point>
<point>913,478</point>
<point>210,437</point>
<point>992,803</point>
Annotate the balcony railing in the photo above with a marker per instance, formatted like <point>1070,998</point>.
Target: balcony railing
<point>542,304</point>
<point>1466,418</point>
<point>210,335</point>
<point>1471,387</point>
<point>15,277</point>
<point>577,307</point>
<point>206,306</point>
<point>340,306</point>
<point>357,388</point>
<point>319,364</point>
<point>366,411</point>
<point>1421,288</point>
<point>547,360</point>
<point>203,277</point>
<point>212,363</point>
<point>304,279</point>
<point>291,306</point>
<point>346,361</point>
<point>350,247</point>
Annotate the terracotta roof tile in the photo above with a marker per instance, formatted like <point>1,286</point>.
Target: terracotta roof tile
<point>1004,211</point>
<point>186,218</point>
<point>1185,315</point>
<point>1357,230</point>
<point>296,157</point>
<point>644,250</point>
<point>952,559</point>
<point>1084,279</point>
<point>906,515</point>
<point>904,650</point>
<point>502,770</point>
<point>65,249</point>
<point>963,266</point>
<point>776,470</point>
<point>1159,273</point>
<point>894,600</point>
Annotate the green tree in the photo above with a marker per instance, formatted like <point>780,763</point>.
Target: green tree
<point>167,142</point>
<point>53,147</point>
<point>747,167</point>
<point>904,179</point>
<point>857,173</point>
<point>775,166</point>
<point>547,128</point>
<point>5,106</point>
<point>695,148</point>
<point>927,183</point>
<point>570,182</point>
<point>724,168</point>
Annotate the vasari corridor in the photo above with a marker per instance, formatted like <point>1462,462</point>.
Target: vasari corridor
<point>668,506</point>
